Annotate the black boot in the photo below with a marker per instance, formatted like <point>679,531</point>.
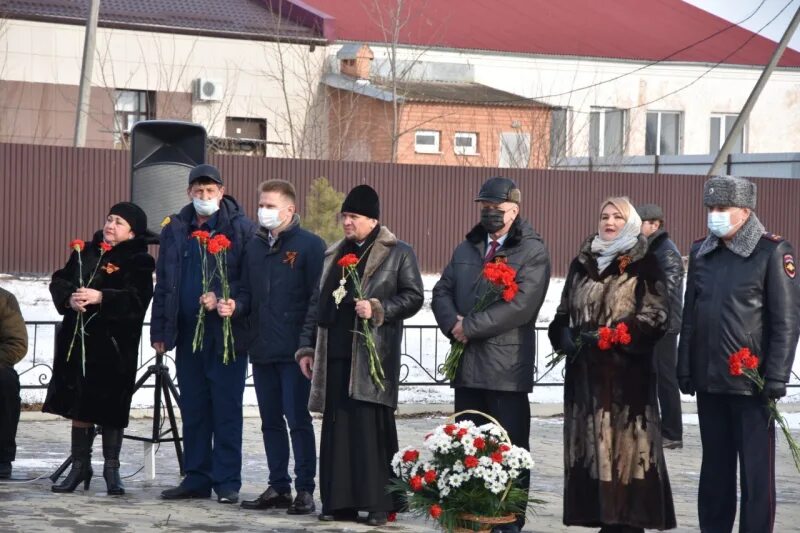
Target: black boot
<point>112,444</point>
<point>82,439</point>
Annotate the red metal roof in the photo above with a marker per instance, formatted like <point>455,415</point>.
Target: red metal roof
<point>622,29</point>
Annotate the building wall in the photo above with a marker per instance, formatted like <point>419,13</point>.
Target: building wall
<point>580,83</point>
<point>360,127</point>
<point>45,113</point>
<point>487,122</point>
<point>254,83</point>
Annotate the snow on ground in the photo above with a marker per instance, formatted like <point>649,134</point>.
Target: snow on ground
<point>424,348</point>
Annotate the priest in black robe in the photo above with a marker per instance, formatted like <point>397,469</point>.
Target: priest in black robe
<point>359,435</point>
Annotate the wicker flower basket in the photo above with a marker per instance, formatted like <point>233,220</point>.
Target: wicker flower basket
<point>471,523</point>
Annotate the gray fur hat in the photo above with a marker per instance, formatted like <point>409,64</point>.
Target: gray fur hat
<point>729,191</point>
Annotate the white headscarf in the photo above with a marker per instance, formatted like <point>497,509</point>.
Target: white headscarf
<point>607,251</point>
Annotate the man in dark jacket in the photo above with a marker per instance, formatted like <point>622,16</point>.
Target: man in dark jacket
<point>13,347</point>
<point>496,371</point>
<point>666,351</point>
<point>280,273</point>
<point>741,292</point>
<point>359,435</point>
<point>211,390</point>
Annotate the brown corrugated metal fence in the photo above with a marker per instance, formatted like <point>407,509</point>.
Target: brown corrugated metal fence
<point>53,194</point>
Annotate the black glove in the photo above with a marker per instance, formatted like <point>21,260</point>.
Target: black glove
<point>686,386</point>
<point>588,339</point>
<point>774,389</point>
<point>567,345</point>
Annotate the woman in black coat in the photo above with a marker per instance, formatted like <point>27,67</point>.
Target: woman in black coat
<point>113,297</point>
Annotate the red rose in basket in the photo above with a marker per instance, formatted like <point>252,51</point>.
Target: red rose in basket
<point>501,287</point>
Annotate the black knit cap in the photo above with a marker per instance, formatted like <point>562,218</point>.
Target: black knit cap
<point>362,200</point>
<point>133,215</point>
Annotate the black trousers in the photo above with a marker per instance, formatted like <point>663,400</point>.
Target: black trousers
<point>669,396</point>
<point>9,413</point>
<point>735,428</point>
<point>511,409</point>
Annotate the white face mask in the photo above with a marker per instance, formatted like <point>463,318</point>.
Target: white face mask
<point>205,208</point>
<point>269,218</point>
<point>719,223</point>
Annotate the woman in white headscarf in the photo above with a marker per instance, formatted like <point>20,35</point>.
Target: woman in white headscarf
<point>615,477</point>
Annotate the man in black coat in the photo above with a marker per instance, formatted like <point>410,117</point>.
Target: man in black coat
<point>359,434</point>
<point>280,272</point>
<point>741,292</point>
<point>666,352</point>
<point>13,347</point>
<point>211,390</point>
<point>495,374</point>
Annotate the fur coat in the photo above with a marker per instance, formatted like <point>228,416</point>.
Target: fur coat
<point>614,464</point>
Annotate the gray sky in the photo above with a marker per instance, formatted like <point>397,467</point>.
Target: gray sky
<point>736,10</point>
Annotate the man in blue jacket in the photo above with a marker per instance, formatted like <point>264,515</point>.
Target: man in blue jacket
<point>211,391</point>
<point>281,270</point>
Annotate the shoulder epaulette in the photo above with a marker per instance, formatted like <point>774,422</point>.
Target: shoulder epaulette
<point>772,237</point>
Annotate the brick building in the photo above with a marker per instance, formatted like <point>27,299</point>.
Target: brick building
<point>437,122</point>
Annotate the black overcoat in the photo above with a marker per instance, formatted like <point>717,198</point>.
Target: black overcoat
<point>101,395</point>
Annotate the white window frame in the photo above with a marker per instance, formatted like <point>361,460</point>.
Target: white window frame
<point>466,150</point>
<point>601,131</point>
<point>557,158</point>
<point>722,133</point>
<point>427,148</point>
<point>679,141</point>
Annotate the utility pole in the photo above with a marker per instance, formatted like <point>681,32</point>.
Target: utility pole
<point>738,125</point>
<point>85,89</point>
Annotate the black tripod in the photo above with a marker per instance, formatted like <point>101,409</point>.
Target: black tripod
<point>165,385</point>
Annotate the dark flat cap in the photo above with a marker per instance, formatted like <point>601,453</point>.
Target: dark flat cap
<point>650,212</point>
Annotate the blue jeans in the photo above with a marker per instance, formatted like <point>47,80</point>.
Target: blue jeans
<point>211,411</point>
<point>282,393</point>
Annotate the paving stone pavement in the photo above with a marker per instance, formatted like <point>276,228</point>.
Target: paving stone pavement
<point>31,507</point>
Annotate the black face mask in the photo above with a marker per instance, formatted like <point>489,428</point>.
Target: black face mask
<point>492,219</point>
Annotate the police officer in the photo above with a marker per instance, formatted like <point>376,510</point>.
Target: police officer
<point>496,371</point>
<point>741,292</point>
<point>666,351</point>
<point>211,391</point>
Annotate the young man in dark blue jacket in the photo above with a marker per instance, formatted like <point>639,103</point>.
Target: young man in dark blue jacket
<point>281,270</point>
<point>211,390</point>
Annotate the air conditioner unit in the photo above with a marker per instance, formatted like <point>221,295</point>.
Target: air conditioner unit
<point>207,90</point>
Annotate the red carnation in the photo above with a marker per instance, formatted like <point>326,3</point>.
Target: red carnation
<point>201,236</point>
<point>510,291</point>
<point>750,362</point>
<point>621,334</point>
<point>497,457</point>
<point>605,338</point>
<point>470,461</point>
<point>391,517</point>
<point>735,364</point>
<point>349,260</point>
<point>479,443</point>
<point>105,246</point>
<point>218,243</point>
<point>450,429</point>
<point>416,483</point>
<point>505,447</point>
<point>461,433</point>
<point>77,245</point>
<point>430,476</point>
<point>410,456</point>
<point>435,511</point>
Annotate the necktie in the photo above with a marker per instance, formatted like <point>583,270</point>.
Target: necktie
<point>493,246</point>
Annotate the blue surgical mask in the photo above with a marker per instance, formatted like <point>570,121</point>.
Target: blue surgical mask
<point>719,223</point>
<point>205,208</point>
